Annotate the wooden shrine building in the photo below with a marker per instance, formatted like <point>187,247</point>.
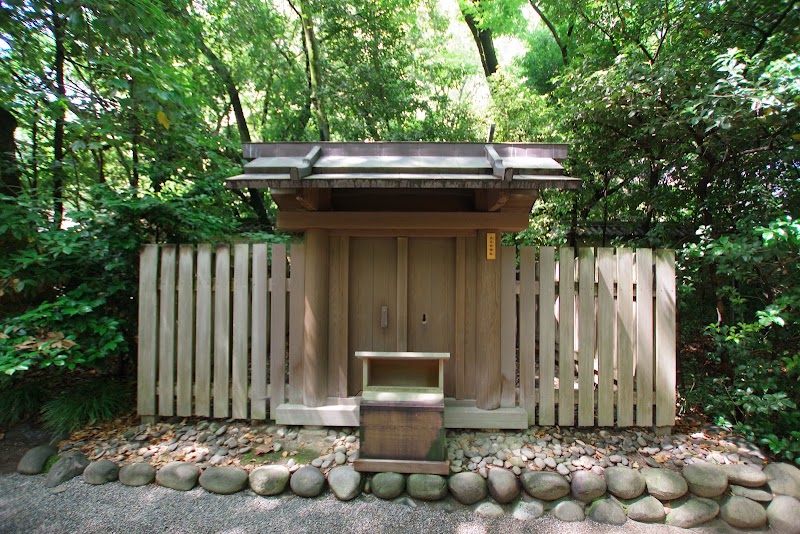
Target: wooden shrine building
<point>402,255</point>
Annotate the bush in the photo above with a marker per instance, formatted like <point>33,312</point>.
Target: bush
<point>19,402</point>
<point>750,377</point>
<point>68,296</point>
<point>86,404</point>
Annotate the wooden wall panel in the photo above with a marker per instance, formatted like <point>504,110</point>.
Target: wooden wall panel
<point>241,324</point>
<point>527,331</point>
<point>566,337</point>
<point>547,336</point>
<point>508,327</point>
<point>202,338</point>
<point>339,295</point>
<point>147,365</point>
<point>606,321</point>
<point>277,328</point>
<point>431,300</point>
<point>296,319</point>
<point>372,284</point>
<point>665,338</point>
<point>644,337</point>
<point>459,343</point>
<point>185,329</point>
<point>259,330</point>
<point>625,335</point>
<point>315,329</point>
<point>586,339</point>
<point>222,323</point>
<point>166,333</point>
<point>471,318</point>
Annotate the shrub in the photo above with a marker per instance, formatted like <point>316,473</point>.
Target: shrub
<point>88,403</point>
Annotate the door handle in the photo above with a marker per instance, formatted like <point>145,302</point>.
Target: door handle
<point>384,316</point>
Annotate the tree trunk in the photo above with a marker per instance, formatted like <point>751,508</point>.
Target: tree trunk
<point>255,199</point>
<point>485,43</point>
<point>313,70</point>
<point>9,171</point>
<point>224,73</point>
<point>58,131</point>
<point>562,45</point>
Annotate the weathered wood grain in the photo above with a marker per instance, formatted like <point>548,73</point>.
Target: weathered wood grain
<point>259,332</point>
<point>166,333</point>
<point>487,335</point>
<point>644,337</point>
<point>315,333</point>
<point>148,330</point>
<point>566,337</point>
<point>665,338</point>
<point>296,315</point>
<point>527,331</point>
<point>586,337</point>
<point>547,336</point>
<point>625,335</point>
<point>222,324</point>
<point>202,338</point>
<point>185,329</point>
<point>605,336</point>
<point>508,326</point>
<point>241,323</point>
<point>277,328</point>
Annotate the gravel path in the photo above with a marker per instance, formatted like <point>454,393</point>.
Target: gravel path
<point>27,506</point>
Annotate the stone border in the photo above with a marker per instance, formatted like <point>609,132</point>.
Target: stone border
<point>743,496</point>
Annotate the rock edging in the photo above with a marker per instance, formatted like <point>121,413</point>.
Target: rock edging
<point>742,497</point>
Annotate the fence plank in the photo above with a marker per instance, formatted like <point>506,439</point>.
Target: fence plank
<point>202,338</point>
<point>185,328</point>
<point>566,337</point>
<point>527,331</point>
<point>166,333</point>
<point>241,320</point>
<point>665,338</point>
<point>148,330</point>
<point>644,337</point>
<point>296,313</point>
<point>605,336</point>
<point>259,333</point>
<point>625,337</point>
<point>547,335</point>
<point>508,327</point>
<point>586,337</point>
<point>222,322</point>
<point>277,347</point>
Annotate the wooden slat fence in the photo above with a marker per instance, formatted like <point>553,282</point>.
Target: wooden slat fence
<point>607,320</point>
<point>213,331</point>
<point>221,331</point>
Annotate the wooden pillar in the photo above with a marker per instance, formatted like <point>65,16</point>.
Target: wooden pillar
<point>315,341</point>
<point>487,334</point>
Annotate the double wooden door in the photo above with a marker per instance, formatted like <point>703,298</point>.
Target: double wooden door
<point>401,298</point>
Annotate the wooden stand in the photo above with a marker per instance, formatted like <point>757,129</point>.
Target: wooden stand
<point>402,413</point>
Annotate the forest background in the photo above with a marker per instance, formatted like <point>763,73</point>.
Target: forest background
<point>120,120</point>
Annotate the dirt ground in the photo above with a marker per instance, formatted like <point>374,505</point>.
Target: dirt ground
<point>16,441</point>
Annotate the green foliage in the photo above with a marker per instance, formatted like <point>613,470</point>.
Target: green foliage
<point>88,403</point>
<point>69,296</point>
<point>542,61</point>
<point>50,463</point>
<point>20,401</point>
<point>753,382</point>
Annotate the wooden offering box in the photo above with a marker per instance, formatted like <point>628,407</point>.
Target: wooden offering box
<point>402,412</point>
